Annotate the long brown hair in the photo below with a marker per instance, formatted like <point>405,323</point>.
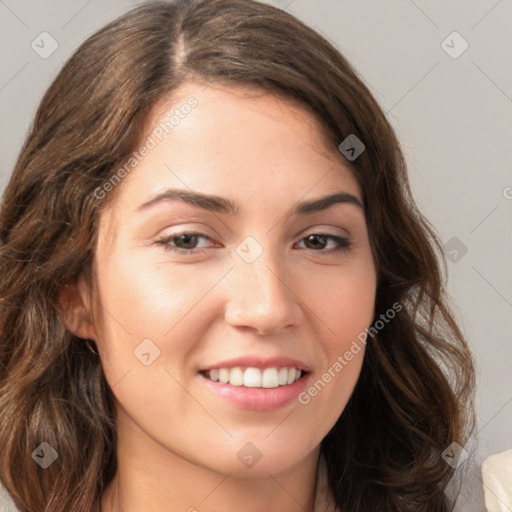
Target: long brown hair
<point>415,393</point>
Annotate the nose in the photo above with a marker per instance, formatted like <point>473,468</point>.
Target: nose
<point>262,296</point>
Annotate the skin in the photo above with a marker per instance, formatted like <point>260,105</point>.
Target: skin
<point>178,441</point>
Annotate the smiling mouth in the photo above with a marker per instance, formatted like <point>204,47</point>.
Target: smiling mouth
<point>252,377</point>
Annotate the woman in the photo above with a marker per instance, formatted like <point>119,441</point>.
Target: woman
<point>172,335</point>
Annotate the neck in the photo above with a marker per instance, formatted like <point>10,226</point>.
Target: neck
<point>152,477</point>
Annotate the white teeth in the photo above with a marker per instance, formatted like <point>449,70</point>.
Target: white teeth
<point>269,378</point>
<point>236,377</point>
<point>255,377</point>
<point>283,376</point>
<point>252,378</point>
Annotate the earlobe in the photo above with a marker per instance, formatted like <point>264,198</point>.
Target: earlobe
<point>75,311</point>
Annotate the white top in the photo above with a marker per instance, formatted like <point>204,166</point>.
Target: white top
<point>497,478</point>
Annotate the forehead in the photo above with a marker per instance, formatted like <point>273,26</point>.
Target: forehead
<point>237,142</point>
<point>227,105</point>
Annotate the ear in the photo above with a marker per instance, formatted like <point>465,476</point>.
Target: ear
<point>76,309</point>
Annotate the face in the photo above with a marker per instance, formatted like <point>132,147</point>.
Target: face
<point>184,286</point>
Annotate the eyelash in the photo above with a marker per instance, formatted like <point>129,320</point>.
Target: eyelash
<point>344,244</point>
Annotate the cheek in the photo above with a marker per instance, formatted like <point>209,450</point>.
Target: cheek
<point>147,336</point>
<point>344,301</point>
<point>147,297</point>
<point>141,307</point>
<point>348,311</point>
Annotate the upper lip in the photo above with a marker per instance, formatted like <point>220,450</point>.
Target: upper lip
<point>260,362</point>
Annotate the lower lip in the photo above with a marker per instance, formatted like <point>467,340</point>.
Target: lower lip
<point>258,399</point>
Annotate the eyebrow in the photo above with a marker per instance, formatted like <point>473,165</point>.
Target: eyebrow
<point>225,206</point>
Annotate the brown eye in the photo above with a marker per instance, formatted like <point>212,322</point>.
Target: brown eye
<point>184,243</point>
<point>316,242</point>
<point>187,239</point>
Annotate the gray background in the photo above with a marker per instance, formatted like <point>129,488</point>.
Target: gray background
<point>452,115</point>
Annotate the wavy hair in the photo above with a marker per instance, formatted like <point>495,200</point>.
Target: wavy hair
<point>415,393</point>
